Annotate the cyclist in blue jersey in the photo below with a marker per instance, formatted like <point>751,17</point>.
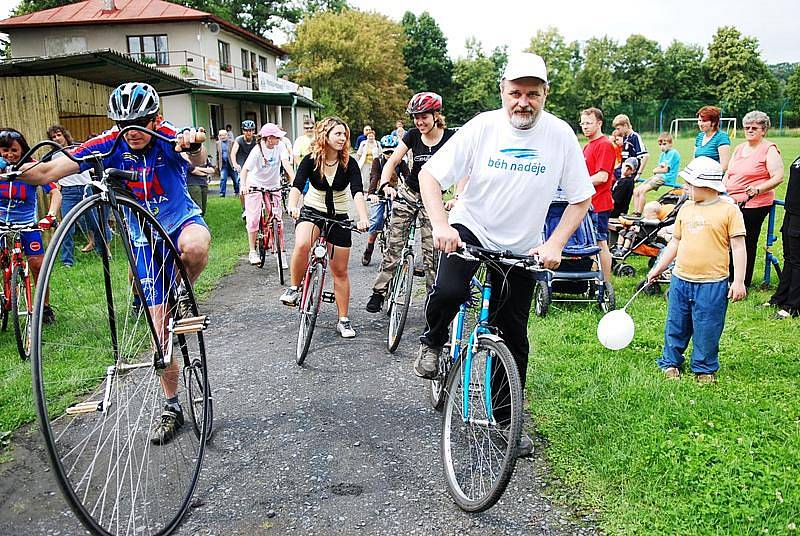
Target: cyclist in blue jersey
<point>161,189</point>
<point>18,207</point>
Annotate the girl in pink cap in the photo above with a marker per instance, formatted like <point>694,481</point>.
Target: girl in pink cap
<point>262,171</point>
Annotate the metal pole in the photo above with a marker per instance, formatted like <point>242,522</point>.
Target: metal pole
<point>780,118</point>
<point>661,117</point>
<point>769,258</point>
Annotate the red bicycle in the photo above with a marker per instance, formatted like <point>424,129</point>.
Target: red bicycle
<point>270,230</point>
<point>15,300</point>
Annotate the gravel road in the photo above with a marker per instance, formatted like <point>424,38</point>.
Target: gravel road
<point>347,444</point>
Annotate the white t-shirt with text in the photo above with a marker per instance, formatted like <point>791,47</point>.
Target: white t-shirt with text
<point>264,166</point>
<point>513,177</point>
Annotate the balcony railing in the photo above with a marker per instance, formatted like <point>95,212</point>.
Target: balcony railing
<point>192,66</point>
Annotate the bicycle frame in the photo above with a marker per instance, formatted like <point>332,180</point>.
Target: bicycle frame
<point>318,254</point>
<point>268,215</point>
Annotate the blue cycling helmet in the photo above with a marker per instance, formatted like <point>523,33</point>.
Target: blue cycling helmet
<point>248,124</point>
<point>389,141</point>
<point>133,100</point>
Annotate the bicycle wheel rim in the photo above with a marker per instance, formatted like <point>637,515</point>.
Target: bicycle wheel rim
<point>261,240</point>
<point>478,458</point>
<point>309,310</point>
<point>114,479</point>
<point>278,244</point>
<point>21,311</point>
<point>401,299</point>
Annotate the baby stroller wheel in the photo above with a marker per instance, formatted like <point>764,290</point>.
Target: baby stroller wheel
<point>653,290</point>
<point>541,298</point>
<point>624,270</point>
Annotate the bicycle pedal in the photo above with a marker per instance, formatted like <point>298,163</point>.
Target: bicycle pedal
<point>328,296</point>
<point>85,407</point>
<point>190,325</point>
<point>419,271</point>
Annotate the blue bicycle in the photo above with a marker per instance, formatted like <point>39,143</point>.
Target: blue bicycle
<point>479,387</point>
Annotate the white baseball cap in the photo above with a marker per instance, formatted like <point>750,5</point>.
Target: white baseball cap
<point>523,65</point>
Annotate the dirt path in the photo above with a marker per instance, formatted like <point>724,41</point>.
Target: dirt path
<point>347,444</point>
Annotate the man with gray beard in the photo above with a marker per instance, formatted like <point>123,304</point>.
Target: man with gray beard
<point>516,158</point>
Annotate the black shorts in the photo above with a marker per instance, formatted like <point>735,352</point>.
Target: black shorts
<point>337,235</point>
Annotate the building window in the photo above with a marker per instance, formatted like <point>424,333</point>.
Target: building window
<point>245,64</point>
<point>225,56</point>
<point>263,66</point>
<point>149,48</point>
<point>215,118</point>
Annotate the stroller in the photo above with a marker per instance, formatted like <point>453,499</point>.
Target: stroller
<point>642,236</point>
<point>579,274</point>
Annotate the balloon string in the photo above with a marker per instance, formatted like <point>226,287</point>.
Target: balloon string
<point>647,284</point>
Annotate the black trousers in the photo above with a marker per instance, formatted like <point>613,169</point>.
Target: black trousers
<point>753,221</point>
<point>622,193</point>
<point>509,306</point>
<point>787,295</point>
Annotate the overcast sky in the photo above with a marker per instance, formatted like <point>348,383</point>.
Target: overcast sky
<point>513,23</point>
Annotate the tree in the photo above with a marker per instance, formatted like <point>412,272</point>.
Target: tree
<point>740,78</point>
<point>256,16</point>
<point>596,83</point>
<point>563,64</point>
<point>682,72</point>
<point>638,70</point>
<point>792,92</point>
<point>30,6</point>
<point>475,83</point>
<point>425,53</point>
<point>354,62</point>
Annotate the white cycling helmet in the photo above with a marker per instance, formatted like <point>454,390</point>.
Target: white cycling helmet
<point>133,100</point>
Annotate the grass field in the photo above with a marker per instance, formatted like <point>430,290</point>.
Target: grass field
<point>652,456</point>
<point>16,403</point>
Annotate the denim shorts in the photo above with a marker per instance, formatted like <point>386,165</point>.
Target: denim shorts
<point>600,220</point>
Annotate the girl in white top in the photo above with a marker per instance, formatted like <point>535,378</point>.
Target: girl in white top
<point>262,171</point>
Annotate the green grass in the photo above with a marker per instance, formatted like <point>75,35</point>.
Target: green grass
<point>16,402</point>
<point>653,456</point>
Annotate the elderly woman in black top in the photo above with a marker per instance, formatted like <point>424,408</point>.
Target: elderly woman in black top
<point>329,171</point>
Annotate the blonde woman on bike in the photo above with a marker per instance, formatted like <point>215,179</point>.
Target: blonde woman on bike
<point>330,171</point>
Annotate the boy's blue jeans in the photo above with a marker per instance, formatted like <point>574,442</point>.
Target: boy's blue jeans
<point>696,311</point>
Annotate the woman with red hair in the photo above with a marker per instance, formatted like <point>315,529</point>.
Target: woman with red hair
<point>711,141</point>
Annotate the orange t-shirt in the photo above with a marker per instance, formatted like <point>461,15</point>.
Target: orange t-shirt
<point>746,170</point>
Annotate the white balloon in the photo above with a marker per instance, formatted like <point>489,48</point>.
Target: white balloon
<point>615,330</point>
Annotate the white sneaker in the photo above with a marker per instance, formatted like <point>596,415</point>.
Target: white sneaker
<point>254,257</point>
<point>290,296</point>
<point>345,328</point>
<point>284,262</point>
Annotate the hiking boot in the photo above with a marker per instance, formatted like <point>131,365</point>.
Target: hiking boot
<point>525,447</point>
<point>254,258</point>
<point>706,378</point>
<point>672,373</point>
<point>345,328</point>
<point>375,302</point>
<point>427,363</point>
<point>290,296</point>
<point>367,257</point>
<point>48,316</point>
<point>165,429</point>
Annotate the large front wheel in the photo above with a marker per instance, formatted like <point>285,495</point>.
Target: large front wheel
<point>100,396</point>
<point>309,310</point>
<point>399,301</point>
<point>21,309</point>
<point>482,425</point>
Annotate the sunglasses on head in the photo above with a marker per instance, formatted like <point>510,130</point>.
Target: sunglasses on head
<point>10,134</point>
<point>141,122</point>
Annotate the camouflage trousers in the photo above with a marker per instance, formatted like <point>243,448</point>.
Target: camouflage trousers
<point>398,234</point>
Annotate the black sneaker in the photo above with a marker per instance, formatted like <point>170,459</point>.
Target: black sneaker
<point>367,257</point>
<point>48,316</point>
<point>167,426</point>
<point>375,303</point>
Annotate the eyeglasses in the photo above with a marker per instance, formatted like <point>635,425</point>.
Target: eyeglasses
<point>663,143</point>
<point>585,124</point>
<point>141,122</point>
<point>752,127</point>
<point>11,134</point>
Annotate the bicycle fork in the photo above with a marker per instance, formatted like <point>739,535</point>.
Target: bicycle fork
<point>480,329</point>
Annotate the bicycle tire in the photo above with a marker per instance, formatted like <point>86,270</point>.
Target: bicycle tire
<point>21,310</point>
<point>111,474</point>
<point>5,311</point>
<point>309,311</point>
<point>262,241</point>
<point>278,244</point>
<point>399,301</point>
<point>478,456</point>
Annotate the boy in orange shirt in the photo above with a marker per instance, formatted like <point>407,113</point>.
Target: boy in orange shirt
<point>706,228</point>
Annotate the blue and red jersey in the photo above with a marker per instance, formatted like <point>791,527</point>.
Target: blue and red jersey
<point>18,201</point>
<point>161,185</point>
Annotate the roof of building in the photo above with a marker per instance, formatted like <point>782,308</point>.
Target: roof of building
<point>92,12</point>
<point>106,67</point>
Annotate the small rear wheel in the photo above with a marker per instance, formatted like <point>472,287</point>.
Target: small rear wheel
<point>624,270</point>
<point>21,309</point>
<point>542,296</point>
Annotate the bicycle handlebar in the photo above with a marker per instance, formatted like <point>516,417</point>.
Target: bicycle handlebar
<point>529,262</point>
<point>345,224</point>
<point>256,189</point>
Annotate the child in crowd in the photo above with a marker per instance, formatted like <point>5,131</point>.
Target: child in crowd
<point>706,228</point>
<point>666,172</point>
<point>616,140</point>
<point>622,190</point>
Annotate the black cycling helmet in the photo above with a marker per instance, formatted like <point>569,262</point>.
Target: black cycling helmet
<point>248,124</point>
<point>133,100</point>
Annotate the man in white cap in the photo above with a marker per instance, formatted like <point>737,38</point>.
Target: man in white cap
<point>516,158</point>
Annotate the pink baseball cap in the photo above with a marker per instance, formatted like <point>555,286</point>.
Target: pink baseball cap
<point>271,129</point>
